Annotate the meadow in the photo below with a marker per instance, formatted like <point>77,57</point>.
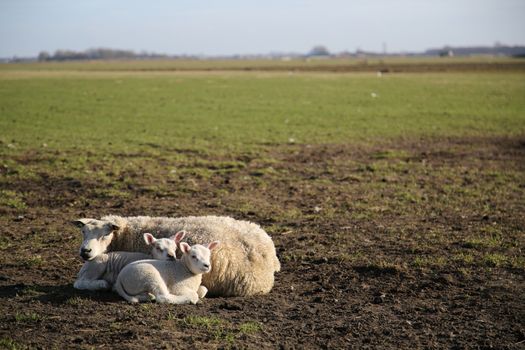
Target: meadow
<point>122,110</point>
<point>395,200</point>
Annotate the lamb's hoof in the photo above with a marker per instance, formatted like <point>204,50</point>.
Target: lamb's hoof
<point>202,291</point>
<point>103,285</point>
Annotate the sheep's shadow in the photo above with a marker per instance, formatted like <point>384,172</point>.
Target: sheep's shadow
<point>53,294</point>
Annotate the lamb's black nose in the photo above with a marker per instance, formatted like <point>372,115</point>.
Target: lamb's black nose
<point>206,265</point>
<point>84,250</point>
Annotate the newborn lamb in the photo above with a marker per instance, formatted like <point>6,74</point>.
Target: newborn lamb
<point>174,281</point>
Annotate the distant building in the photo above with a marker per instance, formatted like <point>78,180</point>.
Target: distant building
<point>446,53</point>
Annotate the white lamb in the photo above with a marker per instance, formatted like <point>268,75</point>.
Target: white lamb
<point>243,265</point>
<point>100,272</point>
<point>174,281</point>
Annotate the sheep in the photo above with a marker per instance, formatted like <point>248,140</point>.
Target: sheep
<point>174,282</point>
<point>243,265</point>
<point>100,272</point>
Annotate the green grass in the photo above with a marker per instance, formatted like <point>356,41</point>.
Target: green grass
<point>75,301</point>
<point>250,327</point>
<point>33,261</point>
<point>30,291</point>
<point>28,317</point>
<point>5,243</point>
<point>221,330</point>
<point>130,112</point>
<point>12,199</point>
<point>495,260</point>
<point>202,321</point>
<point>10,344</point>
<point>429,261</point>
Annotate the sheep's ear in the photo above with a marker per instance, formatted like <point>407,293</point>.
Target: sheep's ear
<point>113,226</point>
<point>80,222</point>
<point>148,238</point>
<point>213,245</point>
<point>178,236</point>
<point>185,247</point>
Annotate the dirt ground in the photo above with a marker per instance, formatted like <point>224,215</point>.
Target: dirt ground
<point>412,244</point>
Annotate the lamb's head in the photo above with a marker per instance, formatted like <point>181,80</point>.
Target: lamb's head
<point>164,248</point>
<point>96,235</point>
<point>197,257</point>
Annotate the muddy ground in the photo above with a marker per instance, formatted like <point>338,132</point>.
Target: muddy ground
<point>407,244</point>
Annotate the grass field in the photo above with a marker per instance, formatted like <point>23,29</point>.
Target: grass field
<point>395,202</point>
<point>124,111</point>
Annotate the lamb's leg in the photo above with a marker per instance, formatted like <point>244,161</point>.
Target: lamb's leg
<point>202,291</point>
<point>168,299</point>
<point>193,296</point>
<point>178,299</point>
<point>162,294</point>
<point>89,276</point>
<point>145,297</point>
<point>91,284</point>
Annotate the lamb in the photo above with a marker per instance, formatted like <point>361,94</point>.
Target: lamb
<point>174,281</point>
<point>100,272</point>
<point>243,265</point>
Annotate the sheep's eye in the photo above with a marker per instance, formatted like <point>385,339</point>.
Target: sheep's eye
<point>194,257</point>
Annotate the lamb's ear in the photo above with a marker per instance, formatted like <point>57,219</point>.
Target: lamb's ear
<point>185,247</point>
<point>80,222</point>
<point>148,238</point>
<point>213,245</point>
<point>178,236</point>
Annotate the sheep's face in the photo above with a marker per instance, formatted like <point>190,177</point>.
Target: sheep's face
<point>163,248</point>
<point>197,257</point>
<point>97,236</point>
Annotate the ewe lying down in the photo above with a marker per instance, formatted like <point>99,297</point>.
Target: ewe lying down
<point>244,263</point>
<point>173,281</point>
<point>100,272</point>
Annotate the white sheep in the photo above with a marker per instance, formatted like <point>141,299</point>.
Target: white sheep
<point>100,272</point>
<point>243,265</point>
<point>173,281</point>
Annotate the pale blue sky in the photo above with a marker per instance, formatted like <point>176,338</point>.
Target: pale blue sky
<point>216,27</point>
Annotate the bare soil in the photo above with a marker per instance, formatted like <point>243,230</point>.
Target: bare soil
<point>412,244</point>
<point>364,66</point>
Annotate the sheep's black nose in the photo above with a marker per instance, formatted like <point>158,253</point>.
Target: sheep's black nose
<point>171,257</point>
<point>206,265</point>
<point>84,253</point>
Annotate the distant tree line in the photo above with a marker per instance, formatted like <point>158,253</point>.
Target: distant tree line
<point>496,50</point>
<point>96,54</point>
<point>318,51</point>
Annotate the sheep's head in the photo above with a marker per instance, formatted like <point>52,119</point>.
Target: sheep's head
<point>97,236</point>
<point>197,257</point>
<point>164,248</point>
